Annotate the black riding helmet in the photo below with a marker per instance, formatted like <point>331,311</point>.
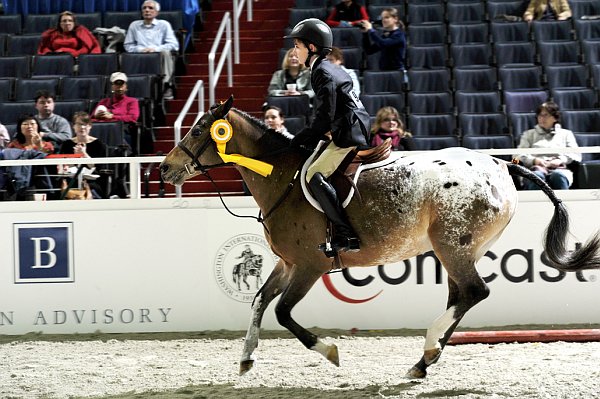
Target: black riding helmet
<point>315,31</point>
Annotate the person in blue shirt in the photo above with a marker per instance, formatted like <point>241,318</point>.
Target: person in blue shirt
<point>391,41</point>
<point>151,35</point>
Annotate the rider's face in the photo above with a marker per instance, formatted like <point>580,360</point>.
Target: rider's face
<point>300,51</point>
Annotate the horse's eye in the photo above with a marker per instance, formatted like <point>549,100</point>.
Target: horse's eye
<point>196,132</point>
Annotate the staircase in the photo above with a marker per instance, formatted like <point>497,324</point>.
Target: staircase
<point>260,41</point>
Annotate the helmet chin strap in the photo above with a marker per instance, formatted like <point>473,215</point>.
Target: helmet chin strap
<point>310,54</point>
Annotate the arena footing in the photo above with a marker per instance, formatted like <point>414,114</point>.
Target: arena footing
<point>523,336</point>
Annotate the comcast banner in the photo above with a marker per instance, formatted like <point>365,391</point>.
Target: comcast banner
<point>187,265</point>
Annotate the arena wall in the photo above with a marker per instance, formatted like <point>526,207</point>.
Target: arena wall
<point>168,265</point>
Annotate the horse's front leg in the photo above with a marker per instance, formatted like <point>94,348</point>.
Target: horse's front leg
<point>301,281</point>
<point>272,288</point>
<point>461,298</point>
<point>246,281</point>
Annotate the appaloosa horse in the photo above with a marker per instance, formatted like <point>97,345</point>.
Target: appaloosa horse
<point>455,202</point>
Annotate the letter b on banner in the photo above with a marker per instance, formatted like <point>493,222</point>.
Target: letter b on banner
<point>43,252</point>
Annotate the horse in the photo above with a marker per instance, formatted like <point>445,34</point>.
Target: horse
<point>249,267</point>
<point>454,201</point>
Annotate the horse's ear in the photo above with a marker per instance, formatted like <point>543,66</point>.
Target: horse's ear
<point>223,108</point>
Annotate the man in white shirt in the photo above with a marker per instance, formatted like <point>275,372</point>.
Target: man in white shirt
<point>151,35</point>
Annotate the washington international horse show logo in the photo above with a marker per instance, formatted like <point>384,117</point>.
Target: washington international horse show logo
<point>242,264</point>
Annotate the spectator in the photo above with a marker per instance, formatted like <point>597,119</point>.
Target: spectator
<point>29,137</point>
<point>275,120</point>
<point>388,124</point>
<point>549,10</point>
<point>293,79</point>
<point>337,57</point>
<point>391,42</point>
<point>154,35</point>
<point>68,37</point>
<point>548,133</point>
<point>4,136</point>
<point>118,107</point>
<point>53,127</point>
<point>347,13</point>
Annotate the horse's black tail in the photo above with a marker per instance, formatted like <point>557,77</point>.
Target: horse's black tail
<point>555,237</point>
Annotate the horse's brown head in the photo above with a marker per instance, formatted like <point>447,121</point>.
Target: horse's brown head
<point>196,152</point>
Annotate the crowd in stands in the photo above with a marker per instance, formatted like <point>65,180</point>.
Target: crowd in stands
<point>477,73</point>
<point>71,74</point>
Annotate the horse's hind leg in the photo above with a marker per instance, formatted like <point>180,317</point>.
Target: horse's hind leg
<point>300,283</point>
<point>462,296</point>
<point>272,287</point>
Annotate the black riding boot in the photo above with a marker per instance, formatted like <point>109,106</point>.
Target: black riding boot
<point>344,237</point>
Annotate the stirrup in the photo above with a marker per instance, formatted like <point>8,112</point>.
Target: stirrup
<point>347,244</point>
<point>327,247</point>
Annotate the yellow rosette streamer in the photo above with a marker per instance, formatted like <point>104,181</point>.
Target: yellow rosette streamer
<point>221,132</point>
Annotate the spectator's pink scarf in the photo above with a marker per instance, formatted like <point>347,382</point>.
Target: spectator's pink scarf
<point>381,135</point>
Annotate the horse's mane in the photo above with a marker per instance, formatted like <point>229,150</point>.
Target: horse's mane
<point>263,135</point>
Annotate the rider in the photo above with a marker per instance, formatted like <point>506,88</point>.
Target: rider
<point>338,114</point>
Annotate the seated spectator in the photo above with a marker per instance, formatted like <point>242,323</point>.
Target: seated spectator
<point>337,57</point>
<point>4,136</point>
<point>547,133</point>
<point>87,145</point>
<point>152,35</point>
<point>53,127</point>
<point>347,13</point>
<point>548,10</point>
<point>274,119</point>
<point>391,42</point>
<point>389,125</point>
<point>28,136</point>
<point>68,37</point>
<point>118,107</point>
<point>292,79</point>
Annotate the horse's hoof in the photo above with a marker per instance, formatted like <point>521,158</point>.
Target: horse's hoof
<point>245,366</point>
<point>416,373</point>
<point>432,355</point>
<point>333,355</point>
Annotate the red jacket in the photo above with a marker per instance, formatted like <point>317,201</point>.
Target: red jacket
<point>353,14</point>
<point>79,41</point>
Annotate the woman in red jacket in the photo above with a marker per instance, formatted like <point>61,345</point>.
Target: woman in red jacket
<point>68,37</point>
<point>347,13</point>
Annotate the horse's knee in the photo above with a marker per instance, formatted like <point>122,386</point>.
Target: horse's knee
<point>283,314</point>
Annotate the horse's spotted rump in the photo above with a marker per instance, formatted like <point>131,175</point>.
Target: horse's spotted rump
<point>466,239</point>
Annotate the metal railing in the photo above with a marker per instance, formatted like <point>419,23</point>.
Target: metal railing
<point>214,74</point>
<point>238,6</point>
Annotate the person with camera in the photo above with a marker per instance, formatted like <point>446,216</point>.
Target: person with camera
<point>347,13</point>
<point>391,41</point>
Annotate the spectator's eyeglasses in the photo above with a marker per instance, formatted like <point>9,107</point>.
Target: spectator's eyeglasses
<point>390,120</point>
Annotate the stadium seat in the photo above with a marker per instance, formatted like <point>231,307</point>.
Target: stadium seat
<point>6,89</point>
<point>524,100</point>
<point>375,11</point>
<point>489,142</point>
<point>591,51</point>
<point>66,108</point>
<point>434,79</point>
<point>25,89</point>
<point>17,45</point>
<point>596,76</point>
<point>544,31</point>
<point>432,124</point>
<point>311,3</point>
<point>83,87</point>
<point>514,53</point>
<point>38,23</point>
<point>587,28</point>
<point>558,52</point>
<point>344,37</point>
<point>581,8</point>
<point>11,24</point>
<point>353,57</point>
<point>506,32</point>
<point>140,63</point>
<point>17,66</point>
<point>474,78</point>
<point>97,64</point>
<point>519,122</point>
<point>110,133</point>
<point>429,143</point>
<point>477,101</point>
<point>294,124</point>
<point>471,54</point>
<point>122,19</point>
<point>373,102</point>
<point>520,77</point>
<point>588,140</point>
<point>429,102</point>
<point>291,105</point>
<point>575,98</point>
<point>496,8</point>
<point>427,56</point>
<point>93,20</point>
<point>53,65</point>
<point>465,11</point>
<point>482,124</point>
<point>11,111</point>
<point>382,82</point>
<point>581,121</point>
<point>468,32</point>
<point>298,14</point>
<point>431,12</point>
<point>575,75</point>
<point>427,33</point>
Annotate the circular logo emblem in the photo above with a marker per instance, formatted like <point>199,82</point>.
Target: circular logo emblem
<point>242,265</point>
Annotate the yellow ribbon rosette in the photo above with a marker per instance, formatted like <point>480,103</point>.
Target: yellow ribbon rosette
<point>221,132</point>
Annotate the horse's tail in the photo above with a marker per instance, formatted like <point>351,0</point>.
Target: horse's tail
<point>586,257</point>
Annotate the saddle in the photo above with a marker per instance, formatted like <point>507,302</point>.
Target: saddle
<point>345,177</point>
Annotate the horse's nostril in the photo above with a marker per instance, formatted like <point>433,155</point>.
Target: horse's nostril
<point>164,168</point>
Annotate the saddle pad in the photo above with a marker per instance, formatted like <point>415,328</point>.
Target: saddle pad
<point>307,194</point>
